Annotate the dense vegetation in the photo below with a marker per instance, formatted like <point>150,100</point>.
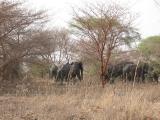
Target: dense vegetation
<point>96,38</point>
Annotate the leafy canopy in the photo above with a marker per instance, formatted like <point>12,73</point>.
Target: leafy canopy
<point>150,46</point>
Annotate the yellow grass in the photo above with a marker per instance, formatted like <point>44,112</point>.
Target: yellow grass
<point>84,101</point>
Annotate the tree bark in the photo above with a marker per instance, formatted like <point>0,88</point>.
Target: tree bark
<point>104,67</point>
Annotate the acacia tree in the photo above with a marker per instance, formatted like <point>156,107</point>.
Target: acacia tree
<point>149,48</point>
<point>16,40</point>
<point>64,45</point>
<point>45,43</point>
<point>102,28</point>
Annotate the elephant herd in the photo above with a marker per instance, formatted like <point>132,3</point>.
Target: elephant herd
<point>67,72</point>
<point>125,70</point>
<point>130,71</point>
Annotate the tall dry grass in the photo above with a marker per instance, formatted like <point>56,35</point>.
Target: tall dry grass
<point>43,100</point>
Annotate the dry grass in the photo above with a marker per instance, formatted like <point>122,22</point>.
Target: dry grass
<point>43,100</point>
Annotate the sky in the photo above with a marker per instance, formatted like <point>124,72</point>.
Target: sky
<point>60,12</point>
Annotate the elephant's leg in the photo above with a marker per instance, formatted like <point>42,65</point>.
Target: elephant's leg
<point>57,77</point>
<point>61,79</point>
<point>129,77</point>
<point>139,79</point>
<point>143,78</point>
<point>112,80</point>
<point>156,77</point>
<point>69,77</point>
<point>78,75</point>
<point>50,75</point>
<point>74,81</point>
<point>65,77</point>
<point>125,78</point>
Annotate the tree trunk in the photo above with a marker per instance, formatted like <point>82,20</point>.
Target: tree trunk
<point>102,75</point>
<point>104,66</point>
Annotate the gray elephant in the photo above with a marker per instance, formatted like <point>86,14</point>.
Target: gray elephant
<point>76,70</point>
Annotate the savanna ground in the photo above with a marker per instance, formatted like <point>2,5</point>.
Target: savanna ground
<point>41,99</point>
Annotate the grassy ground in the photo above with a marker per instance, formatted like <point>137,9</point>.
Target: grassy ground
<point>43,100</point>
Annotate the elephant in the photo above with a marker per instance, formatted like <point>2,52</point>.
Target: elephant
<point>114,71</point>
<point>70,71</point>
<point>140,72</point>
<point>63,73</point>
<point>76,70</point>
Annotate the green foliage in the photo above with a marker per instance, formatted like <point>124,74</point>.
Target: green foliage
<point>150,46</point>
<point>103,28</point>
<point>95,22</point>
<point>156,66</point>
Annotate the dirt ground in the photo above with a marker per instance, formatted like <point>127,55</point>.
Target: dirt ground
<point>47,101</point>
